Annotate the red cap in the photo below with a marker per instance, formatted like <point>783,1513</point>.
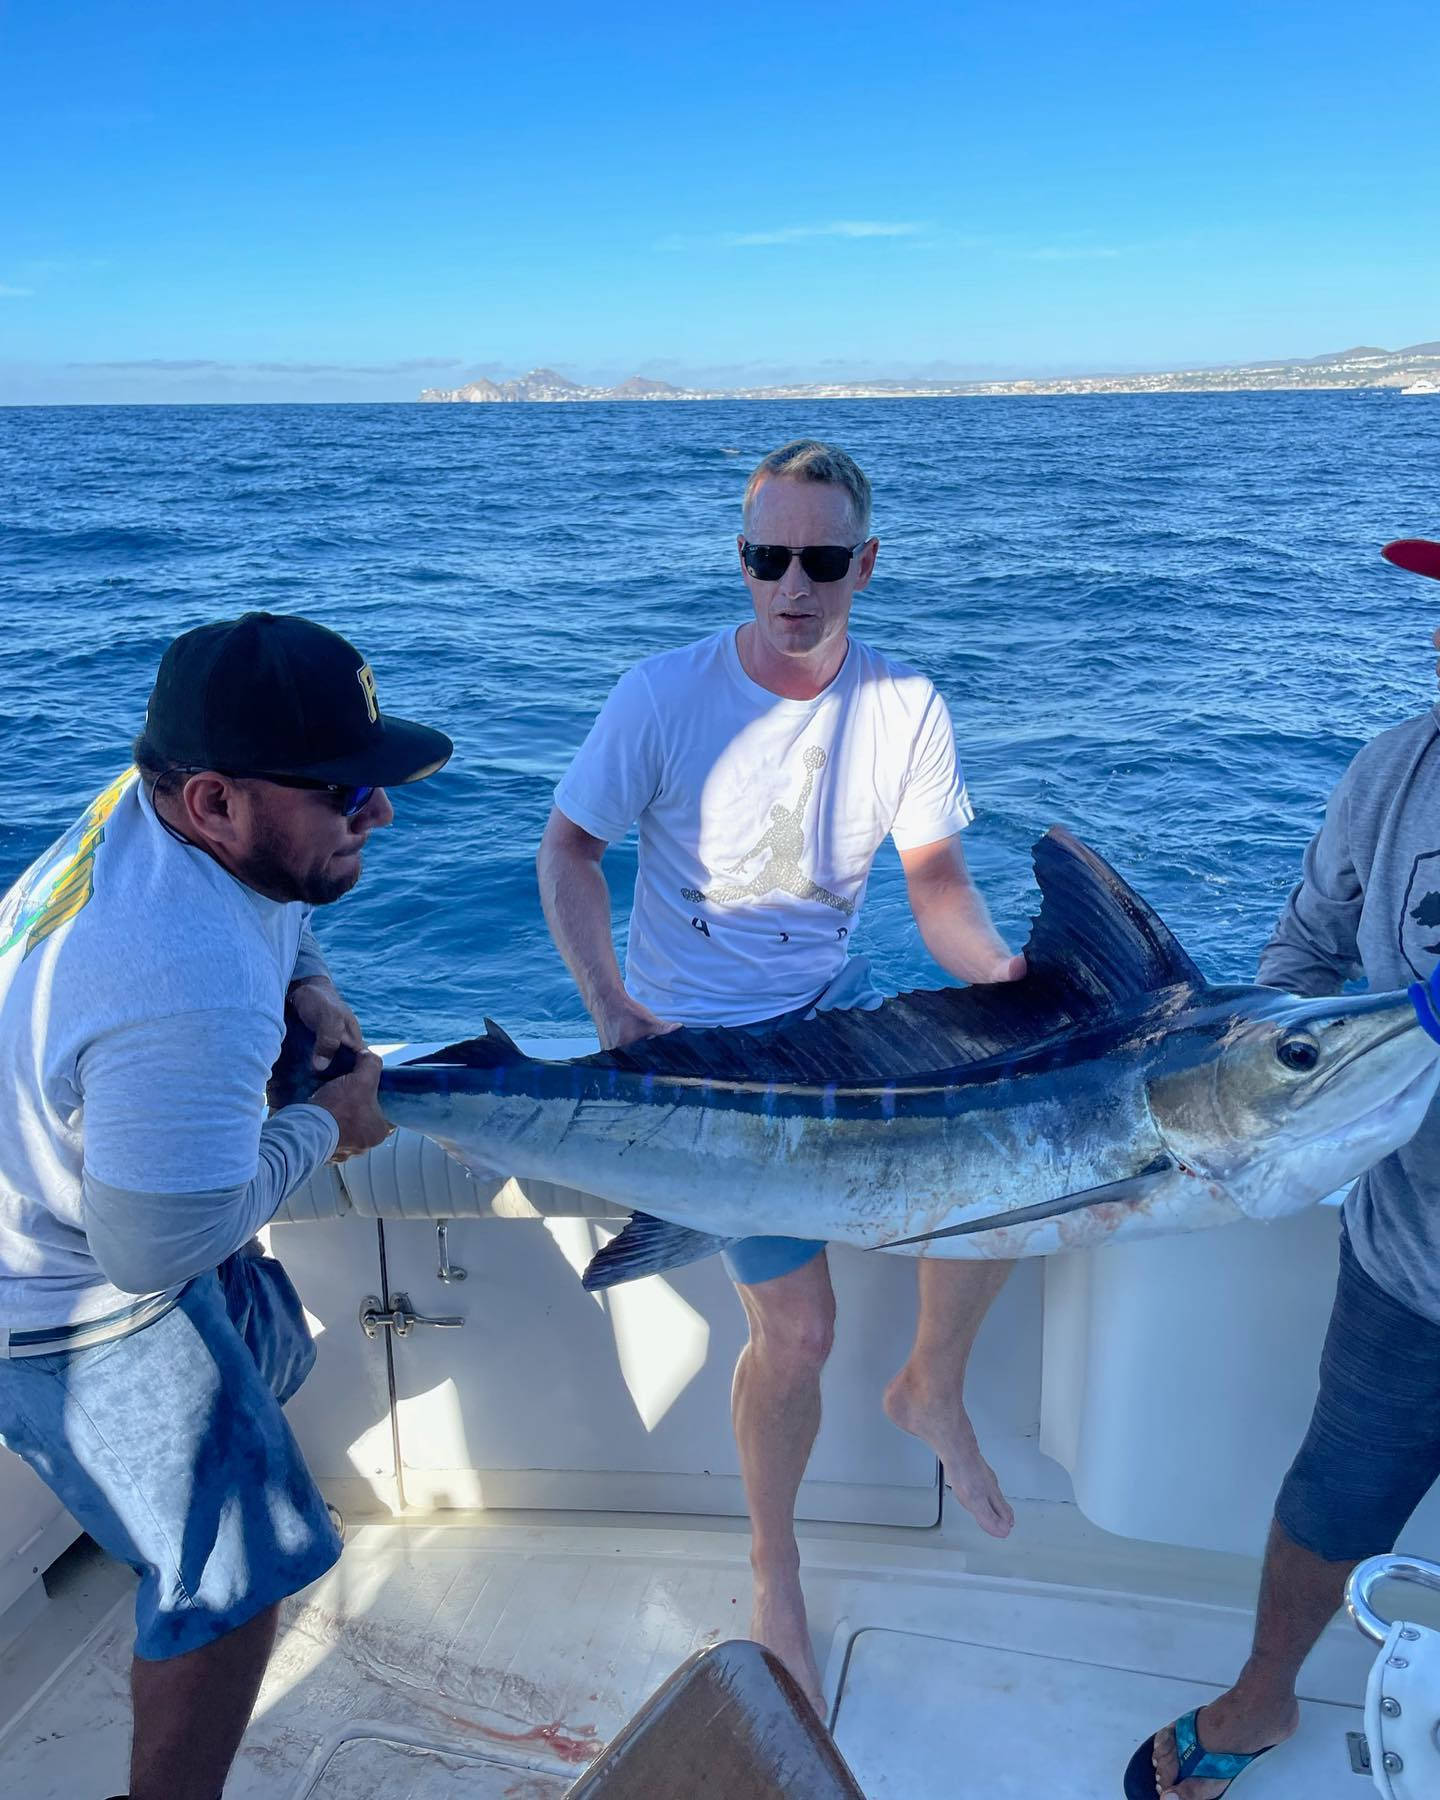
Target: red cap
<point>1420,555</point>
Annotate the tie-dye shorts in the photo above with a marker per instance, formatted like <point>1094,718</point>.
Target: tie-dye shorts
<point>169,1447</point>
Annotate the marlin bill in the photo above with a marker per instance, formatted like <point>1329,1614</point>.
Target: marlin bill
<point>1113,1093</point>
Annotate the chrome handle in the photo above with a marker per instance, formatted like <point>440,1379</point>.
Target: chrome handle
<point>400,1319</point>
<point>1364,1581</point>
<point>447,1271</point>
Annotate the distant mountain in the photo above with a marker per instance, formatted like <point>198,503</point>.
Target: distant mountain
<point>1358,354</point>
<point>472,390</point>
<point>641,387</point>
<point>548,384</point>
<point>1363,366</point>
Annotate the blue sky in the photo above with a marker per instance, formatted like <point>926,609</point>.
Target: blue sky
<point>319,201</point>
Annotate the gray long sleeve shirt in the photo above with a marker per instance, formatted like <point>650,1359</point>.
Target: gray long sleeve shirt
<point>142,996</point>
<point>1368,903</point>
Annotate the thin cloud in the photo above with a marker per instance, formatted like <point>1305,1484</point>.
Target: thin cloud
<point>15,293</point>
<point>853,229</point>
<point>192,366</point>
<point>163,365</point>
<point>842,228</point>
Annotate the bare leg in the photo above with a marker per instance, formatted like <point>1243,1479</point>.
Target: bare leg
<point>1299,1595</point>
<point>191,1712</point>
<point>927,1397</point>
<point>776,1405</point>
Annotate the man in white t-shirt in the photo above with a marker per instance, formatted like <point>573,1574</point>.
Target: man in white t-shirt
<point>765,766</point>
<point>147,960</point>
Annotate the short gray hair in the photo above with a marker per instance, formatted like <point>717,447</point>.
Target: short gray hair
<point>807,459</point>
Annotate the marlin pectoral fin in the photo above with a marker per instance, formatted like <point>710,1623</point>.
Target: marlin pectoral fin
<point>646,1246</point>
<point>1128,1192</point>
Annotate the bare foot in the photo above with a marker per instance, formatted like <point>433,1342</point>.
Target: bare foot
<point>777,1620</point>
<point>945,1426</point>
<point>1227,1724</point>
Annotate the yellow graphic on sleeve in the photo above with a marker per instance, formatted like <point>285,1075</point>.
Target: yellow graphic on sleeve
<point>60,885</point>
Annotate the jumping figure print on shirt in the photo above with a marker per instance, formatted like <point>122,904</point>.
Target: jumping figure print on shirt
<point>785,841</point>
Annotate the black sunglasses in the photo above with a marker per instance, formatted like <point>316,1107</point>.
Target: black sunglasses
<point>350,798</point>
<point>821,562</point>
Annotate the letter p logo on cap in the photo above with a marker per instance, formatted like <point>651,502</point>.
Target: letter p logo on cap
<point>366,678</point>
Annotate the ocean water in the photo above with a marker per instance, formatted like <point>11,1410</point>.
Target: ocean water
<point>1162,620</point>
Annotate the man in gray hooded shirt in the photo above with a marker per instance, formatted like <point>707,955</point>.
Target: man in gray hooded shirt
<point>1367,905</point>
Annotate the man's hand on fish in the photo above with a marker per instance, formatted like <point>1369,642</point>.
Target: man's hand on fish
<point>316,1002</point>
<point>577,909</point>
<point>953,919</point>
<point>625,1020</point>
<point>352,1101</point>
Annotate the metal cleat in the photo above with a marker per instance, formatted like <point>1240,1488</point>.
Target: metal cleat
<point>1402,1700</point>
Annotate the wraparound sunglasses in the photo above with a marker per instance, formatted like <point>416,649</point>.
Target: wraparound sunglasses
<point>821,562</point>
<point>349,797</point>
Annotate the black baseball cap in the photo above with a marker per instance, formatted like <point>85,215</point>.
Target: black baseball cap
<point>268,694</point>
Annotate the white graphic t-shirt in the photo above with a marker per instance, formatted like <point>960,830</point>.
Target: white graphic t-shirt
<point>759,818</point>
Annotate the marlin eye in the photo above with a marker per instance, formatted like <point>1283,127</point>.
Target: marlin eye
<point>1298,1052</point>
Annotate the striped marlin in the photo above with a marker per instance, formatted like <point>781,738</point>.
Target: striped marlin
<point>1113,1093</point>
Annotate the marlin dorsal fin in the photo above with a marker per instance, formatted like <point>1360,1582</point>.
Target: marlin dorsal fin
<point>495,1049</point>
<point>1096,949</point>
<point>1095,933</point>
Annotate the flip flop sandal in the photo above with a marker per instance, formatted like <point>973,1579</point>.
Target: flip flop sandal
<point>1196,1763</point>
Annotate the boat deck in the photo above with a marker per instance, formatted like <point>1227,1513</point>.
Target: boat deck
<point>492,1656</point>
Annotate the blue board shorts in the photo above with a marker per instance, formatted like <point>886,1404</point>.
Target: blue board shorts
<point>1373,1448</point>
<point>169,1447</point>
<point>752,1260</point>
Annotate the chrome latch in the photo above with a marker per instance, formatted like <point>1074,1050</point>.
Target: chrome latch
<point>400,1319</point>
<point>447,1271</point>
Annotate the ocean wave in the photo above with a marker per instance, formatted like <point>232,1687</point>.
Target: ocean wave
<point>61,545</point>
<point>1165,625</point>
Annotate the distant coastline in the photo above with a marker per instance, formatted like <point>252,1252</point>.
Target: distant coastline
<point>1362,367</point>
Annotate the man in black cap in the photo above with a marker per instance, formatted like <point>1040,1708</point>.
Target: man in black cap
<point>146,963</point>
